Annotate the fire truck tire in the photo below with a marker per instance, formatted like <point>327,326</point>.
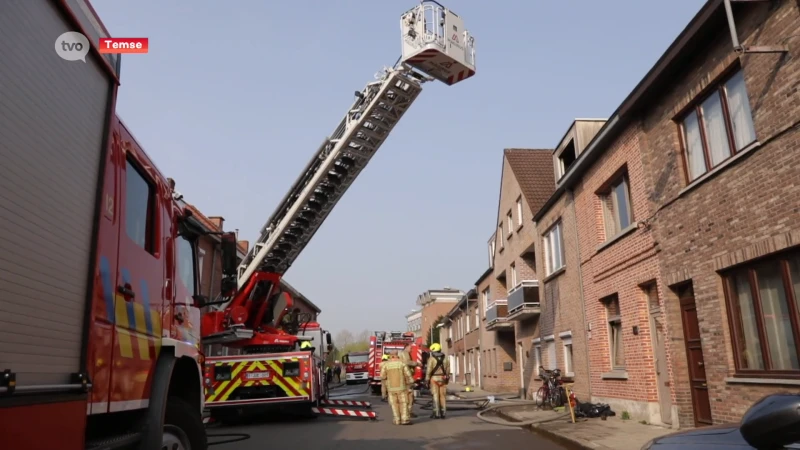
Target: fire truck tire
<point>183,425</point>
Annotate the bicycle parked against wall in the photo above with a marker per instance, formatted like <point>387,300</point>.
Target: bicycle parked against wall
<point>551,392</point>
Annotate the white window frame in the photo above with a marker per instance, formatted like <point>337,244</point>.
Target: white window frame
<point>519,212</point>
<point>537,353</point>
<point>612,219</point>
<point>554,261</point>
<point>513,275</point>
<point>510,223</point>
<point>502,236</point>
<point>486,292</point>
<point>450,331</point>
<point>569,363</point>
<point>477,317</point>
<point>201,253</point>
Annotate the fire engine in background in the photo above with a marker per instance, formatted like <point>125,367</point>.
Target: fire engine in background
<point>100,335</point>
<point>355,366</point>
<point>273,368</point>
<point>386,342</point>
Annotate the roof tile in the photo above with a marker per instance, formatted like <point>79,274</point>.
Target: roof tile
<point>533,169</point>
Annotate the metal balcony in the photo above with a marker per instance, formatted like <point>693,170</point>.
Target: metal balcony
<point>523,301</point>
<point>496,319</point>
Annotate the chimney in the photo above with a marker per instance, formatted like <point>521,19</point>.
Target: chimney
<point>217,221</point>
<point>245,244</point>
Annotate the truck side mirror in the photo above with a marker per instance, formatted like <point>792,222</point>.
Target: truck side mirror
<point>772,422</point>
<point>328,338</point>
<point>229,256</point>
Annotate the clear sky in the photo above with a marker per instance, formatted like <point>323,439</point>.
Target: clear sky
<point>234,97</point>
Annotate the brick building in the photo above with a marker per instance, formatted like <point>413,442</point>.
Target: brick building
<point>210,269</point>
<point>619,272</point>
<point>435,303</point>
<point>725,208</point>
<point>463,339</point>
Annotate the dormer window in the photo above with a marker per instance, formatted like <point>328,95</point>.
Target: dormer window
<point>565,158</point>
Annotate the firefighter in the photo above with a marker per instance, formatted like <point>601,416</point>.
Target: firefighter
<point>396,376</point>
<point>405,357</point>
<point>384,397</point>
<point>437,377</point>
<point>306,346</point>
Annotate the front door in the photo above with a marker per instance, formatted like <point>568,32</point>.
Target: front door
<point>694,355</point>
<point>660,353</point>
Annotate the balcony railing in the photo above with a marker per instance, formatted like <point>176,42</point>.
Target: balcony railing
<point>496,314</point>
<point>523,300</point>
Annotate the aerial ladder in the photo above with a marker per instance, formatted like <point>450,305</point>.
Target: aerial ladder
<point>251,308</point>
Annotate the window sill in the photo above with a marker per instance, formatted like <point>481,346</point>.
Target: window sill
<point>555,274</point>
<point>713,172</point>
<point>628,230</point>
<point>764,381</point>
<point>615,375</point>
<point>519,227</point>
<point>569,377</point>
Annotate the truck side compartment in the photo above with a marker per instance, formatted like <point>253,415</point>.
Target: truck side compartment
<point>53,134</point>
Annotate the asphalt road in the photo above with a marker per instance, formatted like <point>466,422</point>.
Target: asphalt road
<point>461,430</point>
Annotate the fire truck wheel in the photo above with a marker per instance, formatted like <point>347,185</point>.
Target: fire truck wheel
<point>183,427</point>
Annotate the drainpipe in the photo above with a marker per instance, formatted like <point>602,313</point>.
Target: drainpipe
<point>583,301</point>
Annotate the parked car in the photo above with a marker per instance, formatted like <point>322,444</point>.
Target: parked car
<point>772,423</point>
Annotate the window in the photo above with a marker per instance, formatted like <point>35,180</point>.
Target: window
<point>566,158</point>
<point>614,316</point>
<point>537,352</point>
<point>485,299</point>
<point>552,363</point>
<point>513,275</point>
<point>519,211</point>
<point>718,127</point>
<point>502,237</point>
<point>764,300</point>
<point>568,368</point>
<point>477,318</point>
<point>554,249</point>
<point>139,208</point>
<point>200,267</point>
<point>510,223</point>
<point>616,201</point>
<point>450,331</point>
<point>186,264</point>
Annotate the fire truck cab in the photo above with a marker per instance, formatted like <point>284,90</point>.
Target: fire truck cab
<point>356,367</point>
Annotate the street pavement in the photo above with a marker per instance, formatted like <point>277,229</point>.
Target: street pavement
<point>461,430</point>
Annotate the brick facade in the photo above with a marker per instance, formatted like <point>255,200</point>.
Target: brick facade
<point>562,318</point>
<point>619,263</point>
<point>462,335</point>
<point>746,209</point>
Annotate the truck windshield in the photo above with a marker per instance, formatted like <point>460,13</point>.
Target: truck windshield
<point>186,265</point>
<point>358,358</point>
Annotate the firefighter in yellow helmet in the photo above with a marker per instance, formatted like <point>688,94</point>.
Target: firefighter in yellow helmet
<point>397,378</point>
<point>384,396</point>
<point>437,376</point>
<point>405,356</point>
<point>306,346</point>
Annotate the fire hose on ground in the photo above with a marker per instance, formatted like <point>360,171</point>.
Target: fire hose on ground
<point>483,408</point>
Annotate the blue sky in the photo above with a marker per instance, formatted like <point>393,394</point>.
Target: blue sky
<point>233,100</point>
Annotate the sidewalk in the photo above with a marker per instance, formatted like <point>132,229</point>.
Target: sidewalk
<point>610,434</point>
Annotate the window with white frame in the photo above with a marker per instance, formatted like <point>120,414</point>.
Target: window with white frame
<point>614,317</point>
<point>501,235</point>
<point>510,222</point>
<point>537,353</point>
<point>513,275</point>
<point>519,211</point>
<point>485,299</point>
<point>477,317</point>
<point>552,361</point>
<point>200,267</point>
<point>554,249</point>
<point>450,331</point>
<point>566,341</point>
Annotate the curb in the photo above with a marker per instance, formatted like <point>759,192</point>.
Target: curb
<point>571,442</point>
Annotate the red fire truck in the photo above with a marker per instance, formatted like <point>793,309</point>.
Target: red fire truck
<point>100,336</point>
<point>250,313</point>
<point>355,366</point>
<point>386,342</point>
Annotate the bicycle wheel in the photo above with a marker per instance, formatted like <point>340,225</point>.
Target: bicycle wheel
<point>541,396</point>
<point>556,397</point>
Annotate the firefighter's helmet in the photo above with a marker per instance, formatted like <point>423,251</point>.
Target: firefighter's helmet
<point>385,357</point>
<point>436,347</point>
<point>306,345</point>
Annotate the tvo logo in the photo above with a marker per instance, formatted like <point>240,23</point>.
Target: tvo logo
<point>72,46</point>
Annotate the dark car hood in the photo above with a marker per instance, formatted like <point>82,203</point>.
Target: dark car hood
<point>707,438</point>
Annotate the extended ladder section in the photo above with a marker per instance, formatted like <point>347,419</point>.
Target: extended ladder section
<point>333,168</point>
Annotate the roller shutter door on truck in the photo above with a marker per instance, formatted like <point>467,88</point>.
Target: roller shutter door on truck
<point>53,115</point>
